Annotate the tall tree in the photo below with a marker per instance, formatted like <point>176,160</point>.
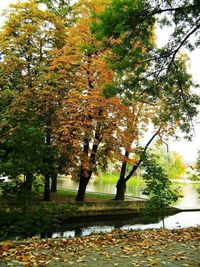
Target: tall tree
<point>27,39</point>
<point>142,75</point>
<point>88,123</point>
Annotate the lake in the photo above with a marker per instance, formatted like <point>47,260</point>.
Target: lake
<point>179,220</point>
<point>190,199</point>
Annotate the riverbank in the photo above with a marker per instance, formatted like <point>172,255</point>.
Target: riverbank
<point>63,214</point>
<point>171,248</point>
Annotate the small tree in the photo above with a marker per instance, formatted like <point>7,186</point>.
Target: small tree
<point>198,162</point>
<point>158,188</point>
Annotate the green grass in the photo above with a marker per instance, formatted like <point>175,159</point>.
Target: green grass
<point>73,193</point>
<point>113,178</point>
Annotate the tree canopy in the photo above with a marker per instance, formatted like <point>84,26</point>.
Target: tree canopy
<point>82,83</point>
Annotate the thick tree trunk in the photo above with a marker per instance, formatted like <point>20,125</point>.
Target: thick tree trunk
<point>47,187</point>
<point>121,183</point>
<point>124,177</point>
<point>54,179</point>
<point>82,187</point>
<point>121,189</point>
<point>85,175</point>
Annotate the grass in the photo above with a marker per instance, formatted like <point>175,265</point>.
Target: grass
<point>113,178</point>
<point>89,195</point>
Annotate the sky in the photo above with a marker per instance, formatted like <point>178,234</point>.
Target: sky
<point>187,149</point>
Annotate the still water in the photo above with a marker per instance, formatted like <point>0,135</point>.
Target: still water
<point>179,220</point>
<point>190,199</point>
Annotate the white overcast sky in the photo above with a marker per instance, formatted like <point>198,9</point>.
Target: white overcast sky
<point>185,148</point>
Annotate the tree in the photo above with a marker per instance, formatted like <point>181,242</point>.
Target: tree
<point>65,9</point>
<point>22,154</point>
<point>158,188</point>
<point>133,21</point>
<point>27,39</point>
<point>143,77</point>
<point>88,123</point>
<point>91,98</point>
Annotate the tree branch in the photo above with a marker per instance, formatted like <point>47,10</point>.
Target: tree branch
<point>174,53</point>
<point>135,167</point>
<point>173,9</point>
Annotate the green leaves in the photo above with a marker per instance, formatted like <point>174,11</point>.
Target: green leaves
<point>158,187</point>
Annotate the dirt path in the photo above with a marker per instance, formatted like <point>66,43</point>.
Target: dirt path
<point>120,248</point>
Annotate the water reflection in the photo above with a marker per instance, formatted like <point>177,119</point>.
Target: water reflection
<point>179,220</point>
<point>190,196</point>
<point>100,186</point>
<point>183,219</point>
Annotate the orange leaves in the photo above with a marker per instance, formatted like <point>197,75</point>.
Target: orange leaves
<point>118,248</point>
<point>5,246</point>
<point>84,114</point>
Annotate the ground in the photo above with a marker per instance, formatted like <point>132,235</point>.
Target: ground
<point>171,248</point>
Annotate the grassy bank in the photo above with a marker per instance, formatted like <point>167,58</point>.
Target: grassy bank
<point>25,217</point>
<point>71,195</point>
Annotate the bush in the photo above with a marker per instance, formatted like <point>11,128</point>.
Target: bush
<point>44,219</point>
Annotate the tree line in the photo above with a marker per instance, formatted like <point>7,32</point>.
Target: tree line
<point>82,83</point>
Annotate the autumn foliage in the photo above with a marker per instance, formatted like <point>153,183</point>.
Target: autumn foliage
<point>85,94</point>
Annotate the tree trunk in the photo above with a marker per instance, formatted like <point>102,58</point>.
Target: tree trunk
<point>54,179</point>
<point>124,177</point>
<point>121,183</point>
<point>47,187</point>
<point>28,182</point>
<point>48,162</point>
<point>85,175</point>
<point>121,189</point>
<point>82,187</point>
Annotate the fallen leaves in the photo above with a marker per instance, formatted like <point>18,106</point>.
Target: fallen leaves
<point>118,248</point>
<point>154,262</point>
<point>5,246</point>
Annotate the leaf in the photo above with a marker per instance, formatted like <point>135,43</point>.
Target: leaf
<point>5,246</point>
<point>154,262</point>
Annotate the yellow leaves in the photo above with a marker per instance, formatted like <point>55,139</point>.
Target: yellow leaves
<point>28,26</point>
<point>154,262</point>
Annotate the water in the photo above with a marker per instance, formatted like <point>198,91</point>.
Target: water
<point>190,199</point>
<point>179,220</point>
<point>100,186</point>
<point>183,219</point>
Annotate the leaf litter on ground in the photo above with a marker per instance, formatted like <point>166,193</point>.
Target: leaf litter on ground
<point>164,247</point>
